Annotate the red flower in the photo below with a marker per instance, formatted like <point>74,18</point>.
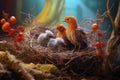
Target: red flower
<point>99,33</point>
<point>6,26</point>
<point>97,44</point>
<point>19,37</point>
<point>11,31</point>
<point>20,28</point>
<point>102,44</point>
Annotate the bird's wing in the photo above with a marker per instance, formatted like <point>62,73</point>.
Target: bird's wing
<point>81,38</point>
<point>80,33</point>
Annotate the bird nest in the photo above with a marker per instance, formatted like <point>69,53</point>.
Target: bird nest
<point>84,62</point>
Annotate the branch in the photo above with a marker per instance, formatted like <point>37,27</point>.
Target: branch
<point>117,19</point>
<point>111,18</point>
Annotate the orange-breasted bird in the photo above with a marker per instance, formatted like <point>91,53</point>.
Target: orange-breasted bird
<point>76,36</point>
<point>61,32</point>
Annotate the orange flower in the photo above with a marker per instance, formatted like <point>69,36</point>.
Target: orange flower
<point>12,19</point>
<point>94,26</point>
<point>2,21</point>
<point>97,53</point>
<point>6,26</point>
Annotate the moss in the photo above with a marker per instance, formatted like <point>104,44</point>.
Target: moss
<point>25,71</point>
<point>46,68</point>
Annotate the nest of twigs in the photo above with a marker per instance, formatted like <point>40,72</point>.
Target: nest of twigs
<point>84,62</point>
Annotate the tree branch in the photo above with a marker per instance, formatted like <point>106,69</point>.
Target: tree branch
<point>117,19</point>
<point>111,18</point>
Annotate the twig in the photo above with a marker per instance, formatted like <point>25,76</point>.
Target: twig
<point>6,15</point>
<point>3,42</point>
<point>75,58</point>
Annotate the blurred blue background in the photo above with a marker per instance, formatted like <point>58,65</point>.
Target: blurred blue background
<point>51,12</point>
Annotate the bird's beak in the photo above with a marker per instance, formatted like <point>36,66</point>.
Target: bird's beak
<point>64,21</point>
<point>57,28</point>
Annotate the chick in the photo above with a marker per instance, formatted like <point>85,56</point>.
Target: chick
<point>43,38</point>
<point>61,32</point>
<point>76,36</point>
<point>55,43</point>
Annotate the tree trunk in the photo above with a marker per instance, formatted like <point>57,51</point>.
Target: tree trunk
<point>112,60</point>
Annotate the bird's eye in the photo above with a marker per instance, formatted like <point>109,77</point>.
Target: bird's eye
<point>60,28</point>
<point>57,27</point>
<point>68,19</point>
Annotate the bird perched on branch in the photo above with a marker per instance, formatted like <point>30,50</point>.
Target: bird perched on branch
<point>43,38</point>
<point>76,36</point>
<point>61,32</point>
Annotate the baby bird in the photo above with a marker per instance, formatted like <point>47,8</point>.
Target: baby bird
<point>43,38</point>
<point>76,36</point>
<point>55,43</point>
<point>61,33</point>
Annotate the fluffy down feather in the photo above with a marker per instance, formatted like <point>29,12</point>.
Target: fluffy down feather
<point>43,38</point>
<point>55,43</point>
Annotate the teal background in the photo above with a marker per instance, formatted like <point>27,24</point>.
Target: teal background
<point>58,9</point>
